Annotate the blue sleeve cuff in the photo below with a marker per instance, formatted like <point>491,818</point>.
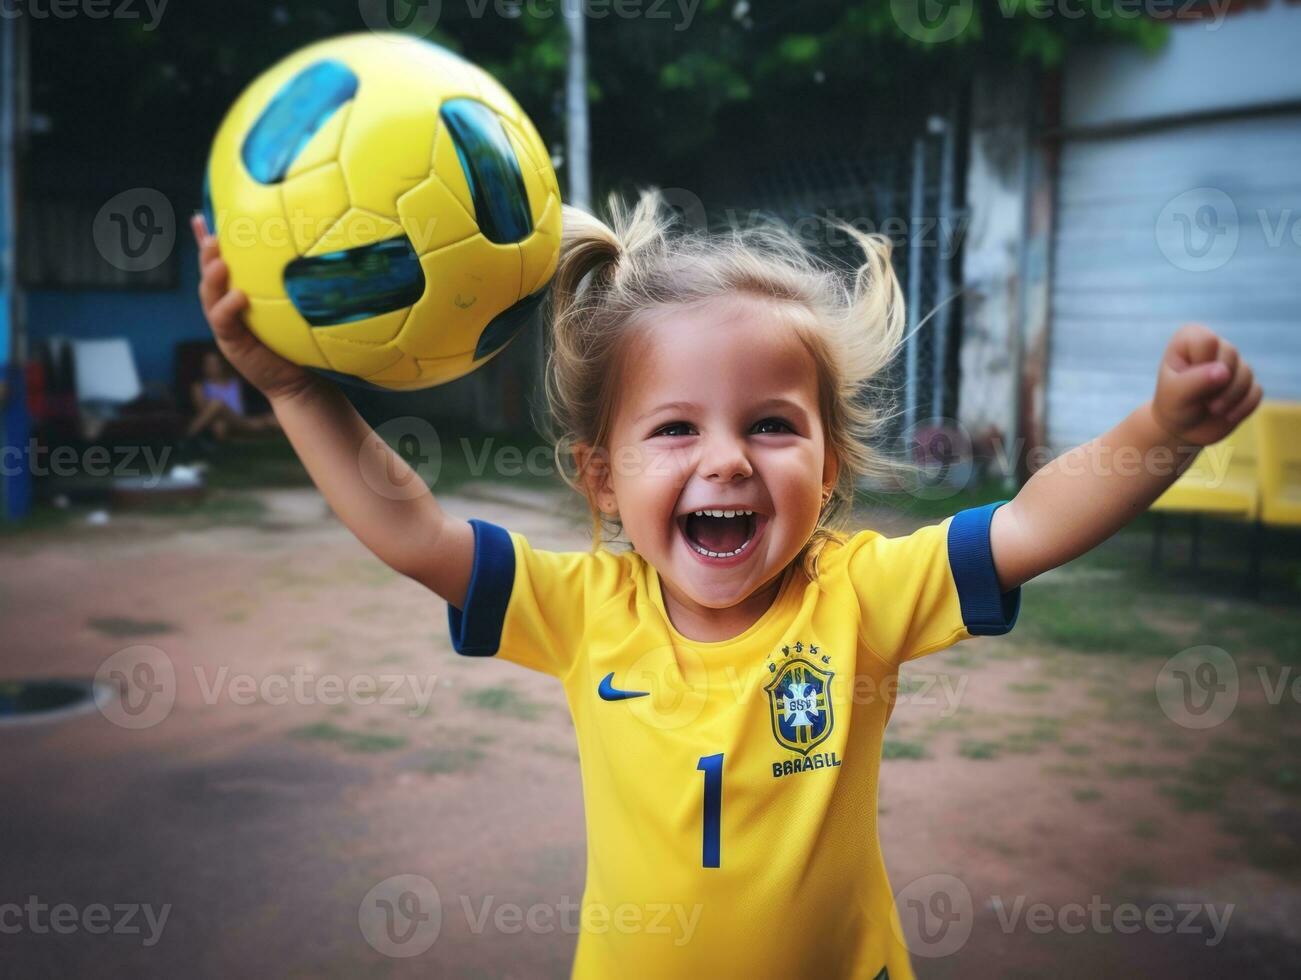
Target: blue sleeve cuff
<point>986,611</point>
<point>476,629</point>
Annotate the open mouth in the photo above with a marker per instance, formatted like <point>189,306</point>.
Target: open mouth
<point>720,535</point>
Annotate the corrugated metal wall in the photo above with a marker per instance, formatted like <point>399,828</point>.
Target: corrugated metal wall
<point>1200,222</point>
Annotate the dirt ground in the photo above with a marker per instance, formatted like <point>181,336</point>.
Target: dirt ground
<point>1028,776</point>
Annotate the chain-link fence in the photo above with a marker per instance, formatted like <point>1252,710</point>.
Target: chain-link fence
<point>908,191</point>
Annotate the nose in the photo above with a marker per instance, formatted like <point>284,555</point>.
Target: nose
<point>724,460</point>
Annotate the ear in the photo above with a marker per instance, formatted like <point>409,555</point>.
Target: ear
<point>830,474</point>
<point>594,476</point>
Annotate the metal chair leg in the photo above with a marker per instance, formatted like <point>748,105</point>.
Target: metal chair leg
<point>1158,527</point>
<point>1255,558</point>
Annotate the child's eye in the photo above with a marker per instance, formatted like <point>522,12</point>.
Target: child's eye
<point>668,430</point>
<point>773,425</point>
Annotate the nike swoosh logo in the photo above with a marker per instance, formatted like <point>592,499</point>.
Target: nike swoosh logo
<point>609,692</point>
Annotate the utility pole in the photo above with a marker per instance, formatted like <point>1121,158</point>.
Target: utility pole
<point>578,152</point>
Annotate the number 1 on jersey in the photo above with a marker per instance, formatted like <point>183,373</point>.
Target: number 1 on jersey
<point>712,767</point>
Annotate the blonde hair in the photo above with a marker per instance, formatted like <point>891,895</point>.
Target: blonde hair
<point>609,275</point>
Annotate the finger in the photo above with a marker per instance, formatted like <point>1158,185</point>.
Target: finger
<point>1198,382</point>
<point>199,225</point>
<point>209,249</point>
<point>1247,405</point>
<point>1192,344</point>
<point>213,284</point>
<point>225,316</point>
<point>1233,393</point>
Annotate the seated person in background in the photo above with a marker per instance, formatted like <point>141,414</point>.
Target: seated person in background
<point>219,403</point>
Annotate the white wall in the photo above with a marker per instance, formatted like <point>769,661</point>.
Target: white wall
<point>1231,61</point>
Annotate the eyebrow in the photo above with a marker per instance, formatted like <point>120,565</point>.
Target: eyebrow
<point>767,405</point>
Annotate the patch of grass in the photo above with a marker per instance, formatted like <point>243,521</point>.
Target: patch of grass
<point>1194,796</point>
<point>1134,770</point>
<point>1032,687</point>
<point>256,463</point>
<point>900,749</point>
<point>956,722</point>
<point>1086,794</point>
<point>327,731</point>
<point>559,751</point>
<point>448,759</point>
<point>1042,729</point>
<point>502,701</point>
<point>1077,748</point>
<point>1102,618</point>
<point>1146,829</point>
<point>117,626</point>
<point>1071,769</point>
<point>973,749</point>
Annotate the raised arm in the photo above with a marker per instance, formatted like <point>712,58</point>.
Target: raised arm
<point>1084,496</point>
<point>408,531</point>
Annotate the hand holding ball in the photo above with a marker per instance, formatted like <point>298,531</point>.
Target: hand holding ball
<point>388,208</point>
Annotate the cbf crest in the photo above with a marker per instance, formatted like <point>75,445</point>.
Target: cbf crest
<point>799,700</point>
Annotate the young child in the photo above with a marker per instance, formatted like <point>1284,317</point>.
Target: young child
<point>706,391</point>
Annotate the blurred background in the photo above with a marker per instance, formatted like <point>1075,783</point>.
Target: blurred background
<point>234,742</point>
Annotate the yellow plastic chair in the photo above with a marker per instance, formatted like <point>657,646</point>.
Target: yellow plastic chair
<point>1224,479</point>
<point>1280,463</point>
<point>1223,482</point>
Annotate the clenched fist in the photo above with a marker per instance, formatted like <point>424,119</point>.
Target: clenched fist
<point>1203,388</point>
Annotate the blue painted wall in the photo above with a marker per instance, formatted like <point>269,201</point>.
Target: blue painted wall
<point>153,320</point>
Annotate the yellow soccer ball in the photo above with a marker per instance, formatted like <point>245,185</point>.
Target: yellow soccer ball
<point>388,208</point>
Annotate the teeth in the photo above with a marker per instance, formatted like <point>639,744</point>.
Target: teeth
<point>718,554</point>
<point>720,513</point>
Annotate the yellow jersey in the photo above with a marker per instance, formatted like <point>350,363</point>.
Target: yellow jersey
<point>731,787</point>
